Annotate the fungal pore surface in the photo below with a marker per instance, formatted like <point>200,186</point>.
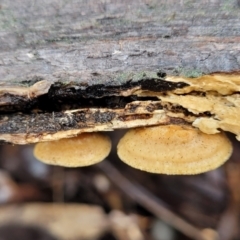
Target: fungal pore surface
<point>83,150</point>
<point>173,149</point>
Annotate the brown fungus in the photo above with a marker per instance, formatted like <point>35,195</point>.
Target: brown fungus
<point>173,149</point>
<point>84,150</point>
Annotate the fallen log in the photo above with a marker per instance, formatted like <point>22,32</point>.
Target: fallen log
<point>67,68</point>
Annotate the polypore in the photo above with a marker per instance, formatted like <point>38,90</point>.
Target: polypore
<point>209,103</point>
<point>173,149</point>
<point>84,150</point>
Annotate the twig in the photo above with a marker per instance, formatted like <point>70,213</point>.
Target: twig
<point>149,201</point>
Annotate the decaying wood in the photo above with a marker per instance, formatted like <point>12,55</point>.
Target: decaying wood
<point>210,103</point>
<point>69,67</point>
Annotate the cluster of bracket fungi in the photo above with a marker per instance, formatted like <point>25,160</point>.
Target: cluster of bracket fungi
<point>167,149</point>
<point>176,124</point>
<point>174,149</point>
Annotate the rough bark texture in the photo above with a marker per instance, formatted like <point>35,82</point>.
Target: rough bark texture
<point>86,50</point>
<point>69,40</point>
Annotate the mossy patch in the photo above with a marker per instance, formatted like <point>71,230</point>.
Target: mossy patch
<point>189,73</point>
<point>136,76</point>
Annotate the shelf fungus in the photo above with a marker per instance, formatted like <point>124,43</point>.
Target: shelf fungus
<point>198,109</point>
<point>84,150</point>
<point>173,149</point>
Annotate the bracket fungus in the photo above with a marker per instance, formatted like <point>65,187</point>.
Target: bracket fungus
<point>197,109</point>
<point>84,150</point>
<point>173,149</point>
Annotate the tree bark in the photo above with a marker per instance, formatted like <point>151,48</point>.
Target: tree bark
<point>51,52</point>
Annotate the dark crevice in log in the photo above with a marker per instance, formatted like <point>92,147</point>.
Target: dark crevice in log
<point>46,103</point>
<point>86,91</point>
<point>83,118</point>
<point>174,108</point>
<point>62,97</point>
<point>101,90</point>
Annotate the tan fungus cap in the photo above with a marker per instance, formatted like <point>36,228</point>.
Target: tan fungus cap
<point>173,149</point>
<point>84,150</point>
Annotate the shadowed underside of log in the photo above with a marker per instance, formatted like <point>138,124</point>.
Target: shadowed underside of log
<point>73,66</point>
